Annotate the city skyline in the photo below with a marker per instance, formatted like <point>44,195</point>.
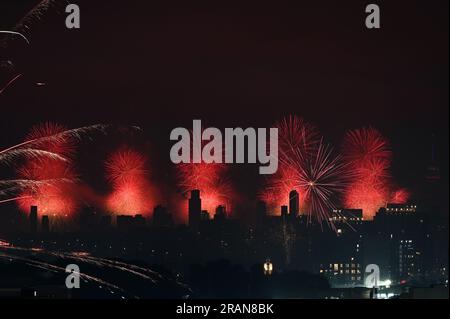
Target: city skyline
<point>129,187</point>
<point>224,151</point>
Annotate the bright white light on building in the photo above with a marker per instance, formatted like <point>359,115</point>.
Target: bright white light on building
<point>268,268</point>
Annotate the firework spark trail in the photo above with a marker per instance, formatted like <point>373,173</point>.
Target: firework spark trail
<point>132,191</point>
<point>145,273</point>
<point>141,272</point>
<point>60,137</point>
<point>295,134</point>
<point>57,198</point>
<point>15,33</point>
<point>321,177</point>
<point>64,145</point>
<point>366,144</point>
<point>47,175</point>
<point>36,14</point>
<point>297,138</point>
<point>30,19</point>
<point>9,157</point>
<point>105,263</point>
<point>23,28</point>
<point>9,83</point>
<point>13,199</point>
<point>35,147</point>
<point>10,187</point>
<point>56,269</point>
<point>82,258</point>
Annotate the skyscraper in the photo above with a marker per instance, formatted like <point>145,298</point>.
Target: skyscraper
<point>294,204</point>
<point>261,212</point>
<point>221,213</point>
<point>261,209</point>
<point>33,219</point>
<point>284,210</point>
<point>45,223</point>
<point>195,208</point>
<point>161,217</point>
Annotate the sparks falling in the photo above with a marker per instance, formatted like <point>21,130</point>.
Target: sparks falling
<point>43,163</point>
<point>57,197</point>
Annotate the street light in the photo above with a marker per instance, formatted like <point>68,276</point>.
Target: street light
<point>268,268</point>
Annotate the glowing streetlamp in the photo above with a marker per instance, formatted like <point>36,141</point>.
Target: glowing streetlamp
<point>268,268</point>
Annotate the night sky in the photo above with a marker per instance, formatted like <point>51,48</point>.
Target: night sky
<point>160,65</point>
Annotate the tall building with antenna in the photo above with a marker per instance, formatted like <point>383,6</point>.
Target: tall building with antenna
<point>195,209</point>
<point>294,204</point>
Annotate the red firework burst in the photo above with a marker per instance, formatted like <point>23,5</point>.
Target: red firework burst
<point>56,194</point>
<point>209,179</point>
<point>64,145</point>
<point>365,145</point>
<point>296,135</point>
<point>126,166</point>
<point>279,186</point>
<point>297,138</point>
<point>132,192</point>
<point>321,178</point>
<point>367,152</point>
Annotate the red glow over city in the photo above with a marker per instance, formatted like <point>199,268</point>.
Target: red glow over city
<point>368,155</point>
<point>366,196</point>
<point>400,196</point>
<point>132,191</point>
<point>209,178</point>
<point>279,187</point>
<point>55,190</point>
